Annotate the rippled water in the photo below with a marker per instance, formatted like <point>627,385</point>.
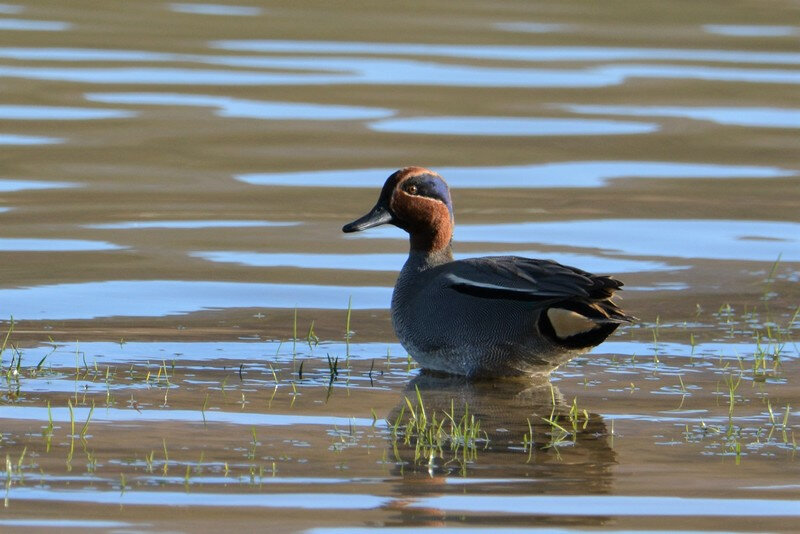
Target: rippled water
<point>544,175</point>
<point>197,346</point>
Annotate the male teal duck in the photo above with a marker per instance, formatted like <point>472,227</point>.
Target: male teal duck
<point>483,317</point>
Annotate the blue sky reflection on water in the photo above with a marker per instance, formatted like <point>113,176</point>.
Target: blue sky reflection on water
<point>157,298</point>
<point>13,139</point>
<point>533,54</point>
<point>696,238</point>
<point>611,505</point>
<point>62,414</point>
<point>66,523</point>
<point>735,116</point>
<point>751,30</point>
<point>215,9</point>
<point>531,27</point>
<point>201,353</point>
<point>393,262</point>
<point>303,501</point>
<point>53,113</point>
<point>549,505</point>
<point>557,174</point>
<point>85,54</point>
<point>10,186</point>
<point>31,244</point>
<point>510,52</point>
<point>361,71</point>
<point>252,109</point>
<point>510,126</point>
<point>187,225</point>
<point>10,9</point>
<point>33,25</point>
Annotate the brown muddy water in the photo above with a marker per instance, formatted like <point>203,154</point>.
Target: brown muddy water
<point>173,180</point>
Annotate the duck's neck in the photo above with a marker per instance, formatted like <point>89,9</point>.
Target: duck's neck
<point>422,259</point>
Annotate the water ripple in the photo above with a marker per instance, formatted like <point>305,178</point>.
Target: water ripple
<point>394,262</point>
<point>62,415</point>
<point>12,244</point>
<point>155,298</point>
<point>510,52</point>
<point>348,71</point>
<point>57,524</point>
<point>54,113</point>
<point>609,505</point>
<point>251,109</point>
<point>10,9</point>
<point>215,9</point>
<point>13,139</point>
<point>746,30</point>
<point>736,116</point>
<point>86,54</point>
<point>710,239</point>
<point>541,175</point>
<point>204,354</point>
<point>10,186</point>
<point>527,126</point>
<point>302,501</point>
<point>34,25</point>
<point>188,225</point>
<point>531,27</point>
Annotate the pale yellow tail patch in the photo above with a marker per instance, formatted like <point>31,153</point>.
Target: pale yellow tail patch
<point>568,323</point>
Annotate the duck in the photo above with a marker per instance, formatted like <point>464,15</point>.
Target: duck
<point>484,317</point>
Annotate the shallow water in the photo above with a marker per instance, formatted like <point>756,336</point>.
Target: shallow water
<point>197,346</point>
<point>545,175</point>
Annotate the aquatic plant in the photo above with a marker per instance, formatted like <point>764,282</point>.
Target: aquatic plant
<point>431,433</point>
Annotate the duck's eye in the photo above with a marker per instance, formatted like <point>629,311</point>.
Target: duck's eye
<point>411,189</point>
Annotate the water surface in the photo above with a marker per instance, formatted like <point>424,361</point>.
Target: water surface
<point>394,262</point>
<point>745,30</point>
<point>196,346</point>
<point>165,297</point>
<point>711,239</point>
<point>753,117</point>
<point>232,107</point>
<point>59,113</point>
<point>14,139</point>
<point>8,186</point>
<point>550,175</point>
<point>33,25</point>
<point>519,53</point>
<point>509,126</point>
<point>188,225</point>
<point>215,9</point>
<point>21,244</point>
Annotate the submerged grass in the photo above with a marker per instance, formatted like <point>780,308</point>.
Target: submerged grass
<point>746,422</point>
<point>437,435</point>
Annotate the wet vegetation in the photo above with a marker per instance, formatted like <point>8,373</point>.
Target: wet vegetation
<point>722,381</point>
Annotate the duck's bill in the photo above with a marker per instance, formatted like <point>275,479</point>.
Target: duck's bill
<point>377,216</point>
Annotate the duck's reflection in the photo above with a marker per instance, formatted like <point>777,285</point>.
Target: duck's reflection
<point>564,449</point>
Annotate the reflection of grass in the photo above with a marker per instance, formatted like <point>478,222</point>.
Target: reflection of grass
<point>431,433</point>
<point>748,420</point>
<point>6,338</point>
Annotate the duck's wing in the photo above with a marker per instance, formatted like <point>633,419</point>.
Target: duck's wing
<point>574,307</point>
<point>515,278</point>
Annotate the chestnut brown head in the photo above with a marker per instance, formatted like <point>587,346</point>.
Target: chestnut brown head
<point>418,201</point>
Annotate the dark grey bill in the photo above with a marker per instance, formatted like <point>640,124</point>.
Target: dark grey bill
<point>377,216</point>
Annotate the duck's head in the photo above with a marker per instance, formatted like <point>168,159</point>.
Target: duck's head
<point>418,201</point>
